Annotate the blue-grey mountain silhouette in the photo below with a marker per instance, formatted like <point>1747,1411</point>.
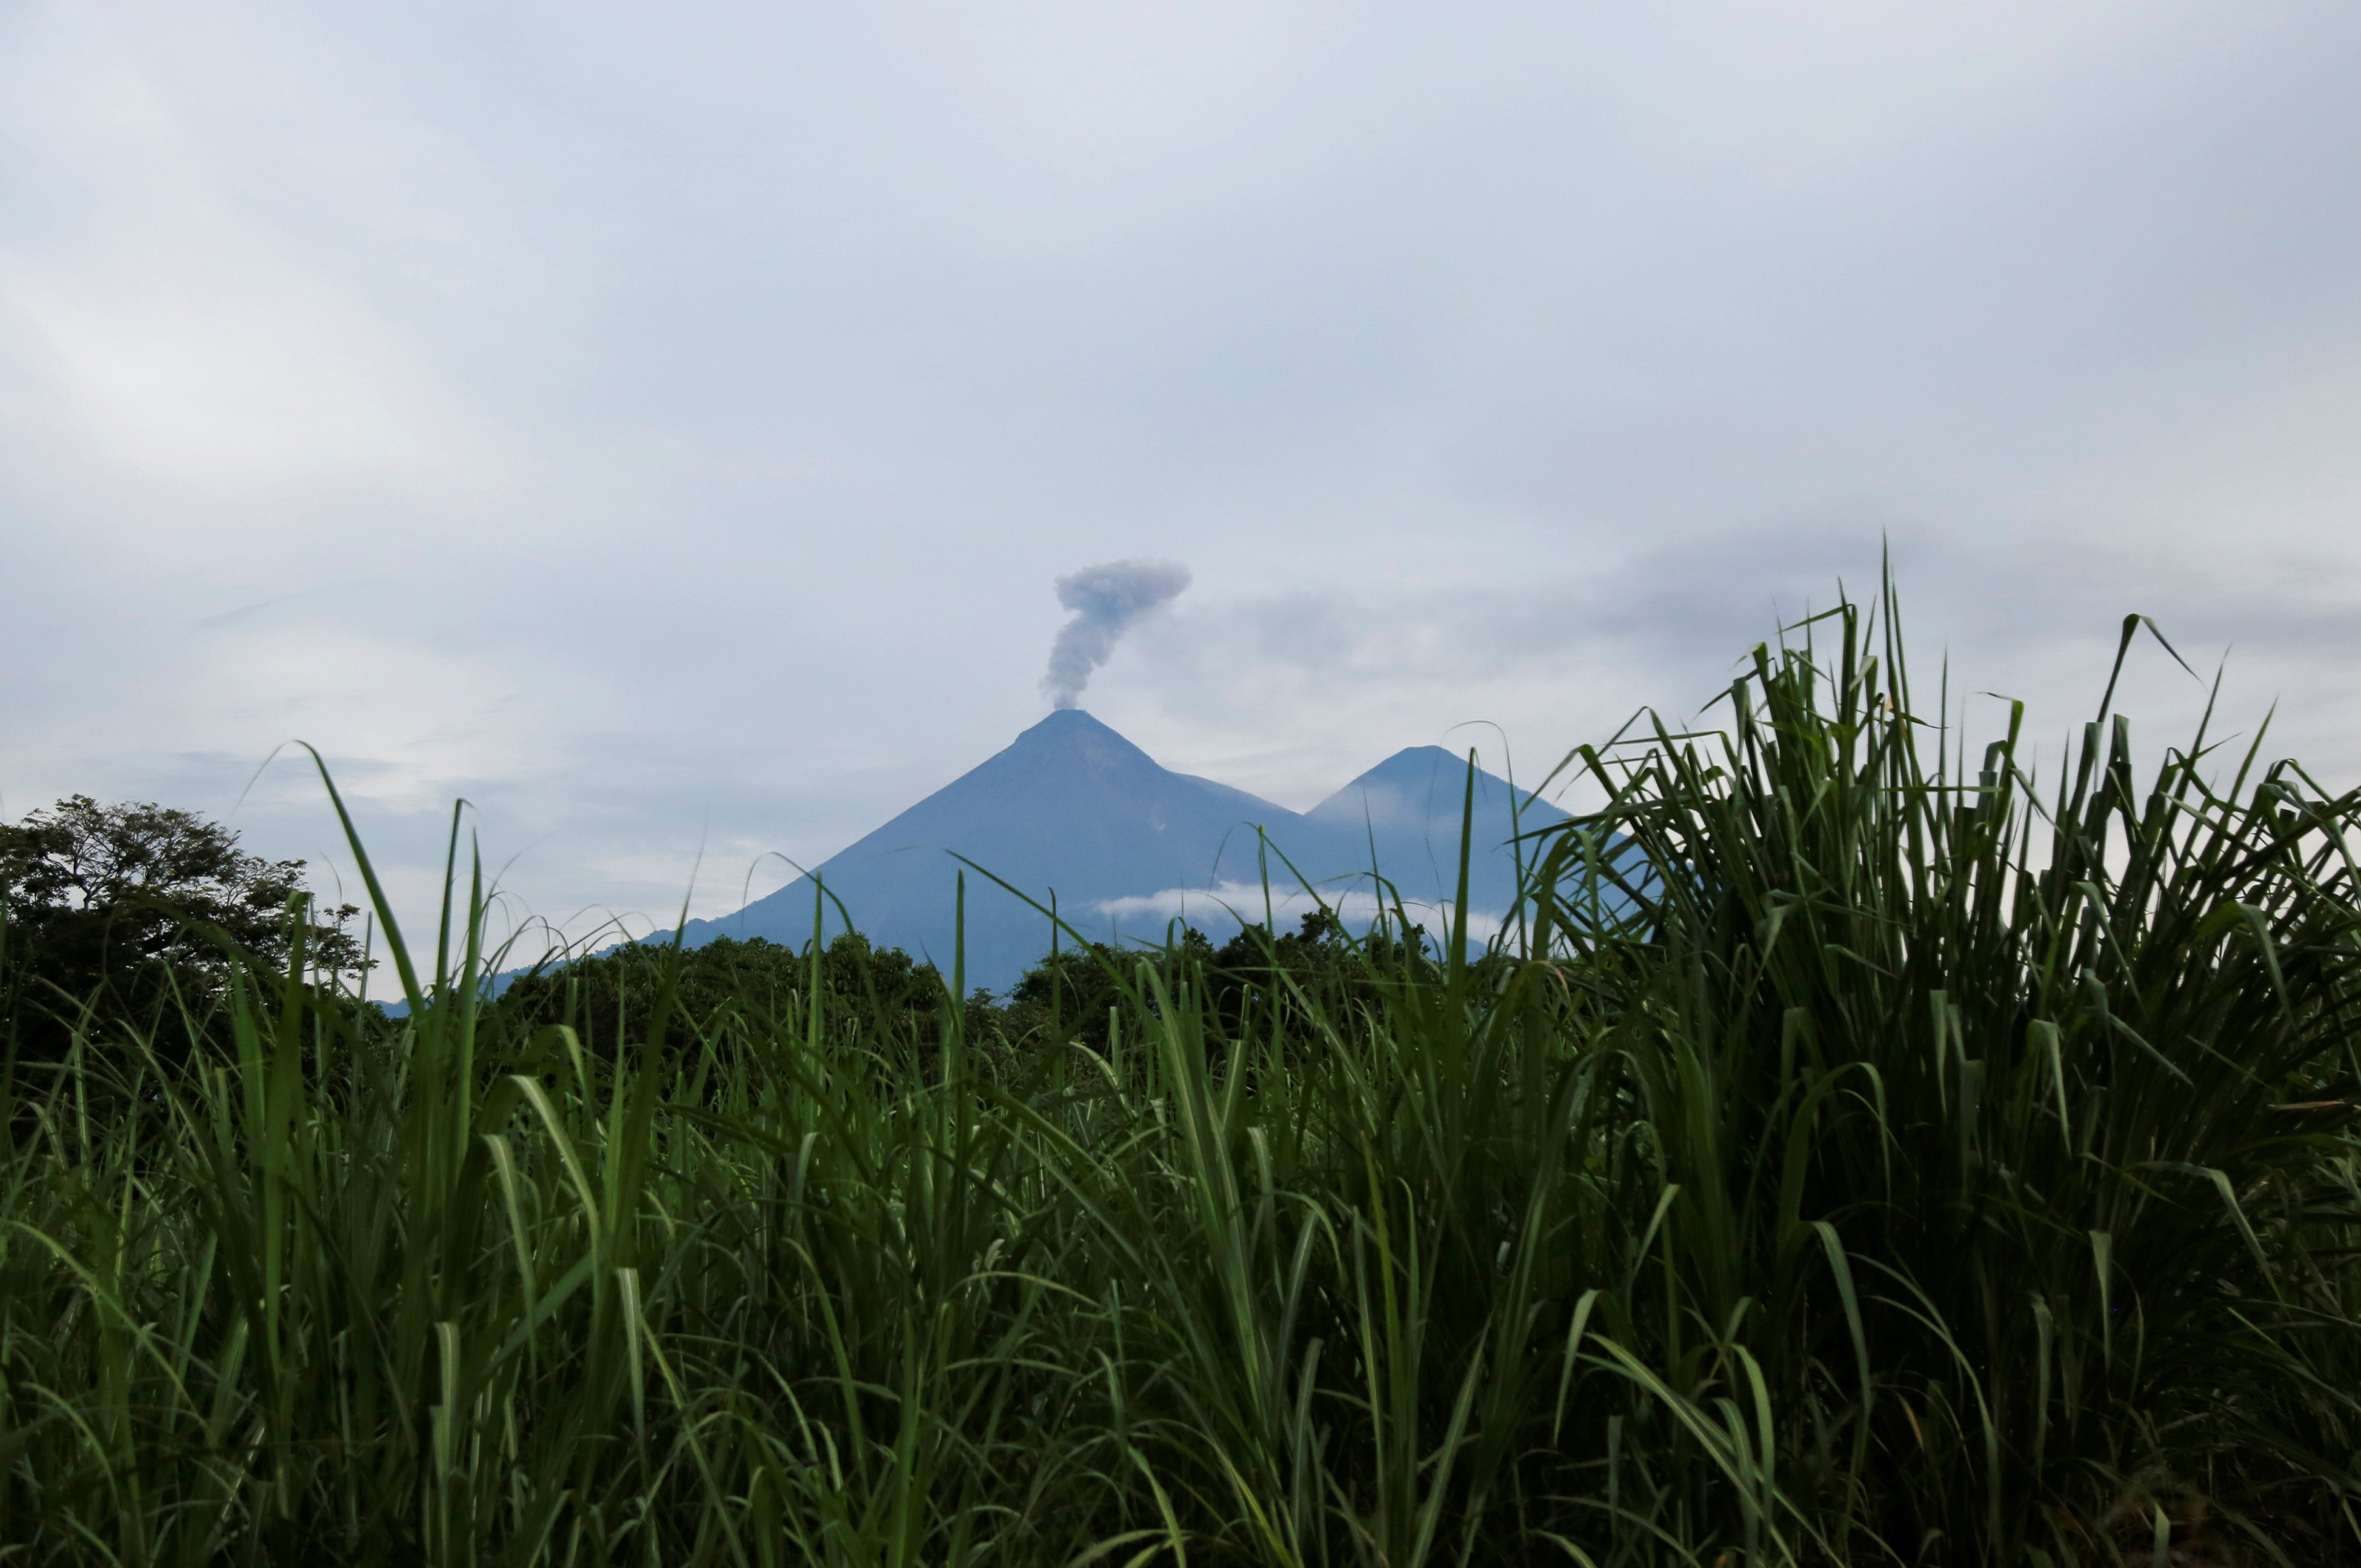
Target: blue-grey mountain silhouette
<point>1404,816</point>
<point>1072,809</point>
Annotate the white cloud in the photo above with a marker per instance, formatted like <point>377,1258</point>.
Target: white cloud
<point>1231,903</point>
<point>176,319</point>
<point>231,384</point>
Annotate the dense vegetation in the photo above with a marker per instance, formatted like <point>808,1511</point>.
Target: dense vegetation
<point>1919,1169</point>
<point>128,918</point>
<point>1077,995</point>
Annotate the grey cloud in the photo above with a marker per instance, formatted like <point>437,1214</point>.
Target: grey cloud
<point>1569,658</point>
<point>673,429</point>
<point>1106,601</point>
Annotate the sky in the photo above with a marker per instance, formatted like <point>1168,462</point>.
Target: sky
<point>665,428</point>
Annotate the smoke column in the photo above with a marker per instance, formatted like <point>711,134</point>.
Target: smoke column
<point>1105,601</point>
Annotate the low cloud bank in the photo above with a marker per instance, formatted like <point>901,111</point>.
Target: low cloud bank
<point>1231,903</point>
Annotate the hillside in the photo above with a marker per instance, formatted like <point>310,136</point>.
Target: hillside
<point>1074,809</point>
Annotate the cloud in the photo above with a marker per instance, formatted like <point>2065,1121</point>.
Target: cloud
<point>661,436</point>
<point>172,331</point>
<point>1106,601</point>
<point>1230,903</point>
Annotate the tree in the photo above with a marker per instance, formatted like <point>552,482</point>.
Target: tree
<point>1322,967</point>
<point>118,912</point>
<point>609,998</point>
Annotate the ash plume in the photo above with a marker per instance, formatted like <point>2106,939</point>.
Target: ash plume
<point>1105,599</point>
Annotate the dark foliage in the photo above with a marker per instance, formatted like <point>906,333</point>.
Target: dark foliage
<point>131,915</point>
<point>611,998</point>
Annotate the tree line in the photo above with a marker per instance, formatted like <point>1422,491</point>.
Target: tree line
<point>136,916</point>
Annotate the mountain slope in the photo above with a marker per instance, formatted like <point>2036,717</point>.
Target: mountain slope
<point>1404,816</point>
<point>1071,805</point>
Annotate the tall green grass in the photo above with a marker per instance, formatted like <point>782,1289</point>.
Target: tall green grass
<point>1920,1163</point>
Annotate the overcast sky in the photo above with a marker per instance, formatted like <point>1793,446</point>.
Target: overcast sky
<point>664,427</point>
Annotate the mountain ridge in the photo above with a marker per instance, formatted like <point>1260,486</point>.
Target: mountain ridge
<point>1073,809</point>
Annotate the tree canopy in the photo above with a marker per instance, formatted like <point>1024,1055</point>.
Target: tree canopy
<point>609,998</point>
<point>131,914</point>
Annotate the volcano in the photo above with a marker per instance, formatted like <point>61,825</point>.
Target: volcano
<point>1073,810</point>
